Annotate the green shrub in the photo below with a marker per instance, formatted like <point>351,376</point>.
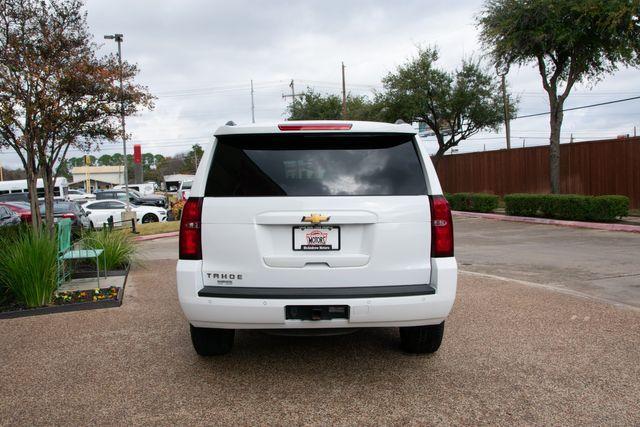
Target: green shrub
<point>523,204</point>
<point>567,206</point>
<point>119,249</point>
<point>473,202</point>
<point>608,208</point>
<point>28,267</point>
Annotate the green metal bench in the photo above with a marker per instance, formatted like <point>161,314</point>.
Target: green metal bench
<point>67,253</point>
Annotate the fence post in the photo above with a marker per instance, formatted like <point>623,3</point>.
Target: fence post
<point>133,226</point>
<point>110,223</point>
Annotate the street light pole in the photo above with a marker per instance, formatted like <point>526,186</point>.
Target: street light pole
<point>119,38</point>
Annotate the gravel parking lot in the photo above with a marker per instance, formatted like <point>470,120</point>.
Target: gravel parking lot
<point>512,354</point>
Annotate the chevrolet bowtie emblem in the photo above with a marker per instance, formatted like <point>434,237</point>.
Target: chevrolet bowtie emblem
<point>315,218</point>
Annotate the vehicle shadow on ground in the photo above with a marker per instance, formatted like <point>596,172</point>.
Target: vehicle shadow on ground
<point>362,352</point>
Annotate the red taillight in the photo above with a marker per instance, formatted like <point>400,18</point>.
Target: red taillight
<point>316,126</point>
<point>441,228</point>
<point>68,215</point>
<point>25,216</point>
<point>190,239</point>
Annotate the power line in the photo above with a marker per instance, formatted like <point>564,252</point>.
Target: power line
<point>581,107</point>
<point>216,91</point>
<point>233,86</point>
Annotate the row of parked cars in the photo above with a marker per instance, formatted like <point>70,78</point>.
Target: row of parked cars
<point>87,210</point>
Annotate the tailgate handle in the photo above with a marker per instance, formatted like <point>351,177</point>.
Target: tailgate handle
<point>297,261</point>
<point>336,217</point>
<point>317,264</point>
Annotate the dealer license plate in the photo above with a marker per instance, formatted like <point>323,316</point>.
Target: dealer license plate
<point>323,238</point>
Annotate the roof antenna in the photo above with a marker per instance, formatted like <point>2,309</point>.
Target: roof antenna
<point>400,122</point>
<point>230,123</point>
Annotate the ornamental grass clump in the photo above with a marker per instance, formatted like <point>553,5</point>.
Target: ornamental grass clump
<point>28,267</point>
<point>119,249</point>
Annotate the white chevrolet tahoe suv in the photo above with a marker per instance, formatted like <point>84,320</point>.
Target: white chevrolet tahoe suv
<point>316,225</point>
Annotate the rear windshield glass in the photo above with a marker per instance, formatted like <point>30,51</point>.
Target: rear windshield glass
<point>61,207</point>
<point>315,165</point>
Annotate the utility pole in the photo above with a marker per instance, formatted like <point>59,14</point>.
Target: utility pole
<point>344,96</point>
<point>118,38</point>
<point>1,173</point>
<point>505,101</point>
<point>87,183</point>
<point>253,113</point>
<point>292,96</point>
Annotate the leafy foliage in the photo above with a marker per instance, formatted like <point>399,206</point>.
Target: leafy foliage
<point>28,265</point>
<point>567,206</point>
<point>473,202</point>
<point>523,204</point>
<point>315,106</point>
<point>570,40</point>
<point>455,105</point>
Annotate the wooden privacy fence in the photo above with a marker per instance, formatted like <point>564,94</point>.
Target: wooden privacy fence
<point>591,168</point>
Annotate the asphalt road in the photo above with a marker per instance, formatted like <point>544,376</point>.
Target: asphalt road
<point>602,264</point>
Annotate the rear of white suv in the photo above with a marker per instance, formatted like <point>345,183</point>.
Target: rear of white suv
<point>316,225</point>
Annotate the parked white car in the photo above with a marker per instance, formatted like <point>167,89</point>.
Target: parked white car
<point>316,226</point>
<point>145,189</point>
<point>80,196</point>
<point>100,211</point>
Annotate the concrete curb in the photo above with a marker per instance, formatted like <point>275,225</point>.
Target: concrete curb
<point>574,224</point>
<point>156,236</point>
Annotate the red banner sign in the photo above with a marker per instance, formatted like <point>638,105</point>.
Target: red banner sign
<point>137,154</point>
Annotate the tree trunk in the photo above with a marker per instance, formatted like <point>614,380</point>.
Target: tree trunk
<point>48,182</point>
<point>32,187</point>
<point>555,123</point>
<point>438,156</point>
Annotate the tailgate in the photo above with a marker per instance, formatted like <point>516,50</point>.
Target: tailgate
<point>316,210</point>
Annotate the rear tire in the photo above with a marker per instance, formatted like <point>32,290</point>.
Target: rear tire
<point>421,339</point>
<point>212,342</point>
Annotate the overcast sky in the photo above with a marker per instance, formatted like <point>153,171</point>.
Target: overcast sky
<point>198,58</point>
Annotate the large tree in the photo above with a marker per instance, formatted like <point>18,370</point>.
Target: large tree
<point>193,158</point>
<point>55,92</point>
<point>570,41</point>
<point>312,105</point>
<point>105,160</point>
<point>454,104</point>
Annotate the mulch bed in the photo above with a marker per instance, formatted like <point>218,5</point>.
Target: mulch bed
<point>73,297</point>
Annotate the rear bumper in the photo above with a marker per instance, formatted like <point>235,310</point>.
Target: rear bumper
<point>268,311</point>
